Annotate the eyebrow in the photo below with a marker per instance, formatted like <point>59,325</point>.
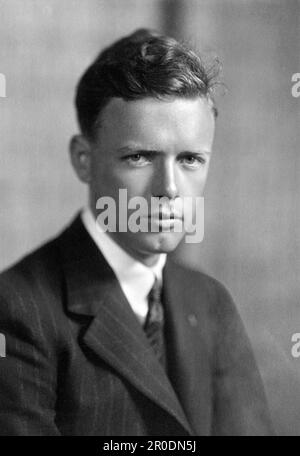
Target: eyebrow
<point>143,150</point>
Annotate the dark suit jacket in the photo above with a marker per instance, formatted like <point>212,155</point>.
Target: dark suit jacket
<point>78,361</point>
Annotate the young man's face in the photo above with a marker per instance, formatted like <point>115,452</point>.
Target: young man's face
<point>151,148</point>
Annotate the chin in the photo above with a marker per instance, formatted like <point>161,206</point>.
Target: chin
<point>159,242</point>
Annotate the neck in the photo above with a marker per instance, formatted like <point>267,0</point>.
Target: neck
<point>148,259</point>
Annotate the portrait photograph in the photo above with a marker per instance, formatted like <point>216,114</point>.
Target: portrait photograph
<point>150,218</point>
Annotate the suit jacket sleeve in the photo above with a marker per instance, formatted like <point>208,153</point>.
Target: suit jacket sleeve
<point>240,405</point>
<point>27,374</point>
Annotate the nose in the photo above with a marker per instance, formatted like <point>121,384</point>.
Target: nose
<point>165,180</point>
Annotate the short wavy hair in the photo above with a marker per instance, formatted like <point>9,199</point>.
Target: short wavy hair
<point>143,64</point>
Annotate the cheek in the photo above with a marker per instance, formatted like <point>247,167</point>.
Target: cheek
<point>137,182</point>
<point>194,183</point>
<point>108,183</point>
<point>106,178</point>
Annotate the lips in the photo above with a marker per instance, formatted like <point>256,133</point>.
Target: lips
<point>165,216</point>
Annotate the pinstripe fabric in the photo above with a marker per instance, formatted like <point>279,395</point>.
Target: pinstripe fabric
<point>79,363</point>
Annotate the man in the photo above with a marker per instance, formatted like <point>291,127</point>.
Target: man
<point>104,334</point>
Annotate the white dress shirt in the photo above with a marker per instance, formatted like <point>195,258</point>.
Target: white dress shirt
<point>135,278</point>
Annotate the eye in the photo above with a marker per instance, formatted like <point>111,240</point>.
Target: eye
<point>137,160</point>
<point>193,161</point>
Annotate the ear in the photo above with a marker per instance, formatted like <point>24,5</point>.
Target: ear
<point>81,157</point>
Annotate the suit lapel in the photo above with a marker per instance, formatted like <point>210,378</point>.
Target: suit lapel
<point>114,333</point>
<point>189,335</point>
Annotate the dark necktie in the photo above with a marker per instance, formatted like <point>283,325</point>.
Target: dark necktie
<point>154,323</point>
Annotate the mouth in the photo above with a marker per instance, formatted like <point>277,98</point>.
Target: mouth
<point>164,216</point>
<point>165,221</point>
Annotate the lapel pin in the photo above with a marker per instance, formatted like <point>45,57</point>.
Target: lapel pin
<point>192,320</point>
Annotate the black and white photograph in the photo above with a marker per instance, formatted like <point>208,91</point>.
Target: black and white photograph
<point>150,219</point>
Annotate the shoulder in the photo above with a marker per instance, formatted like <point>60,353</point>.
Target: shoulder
<point>39,268</point>
<point>218,317</point>
<point>31,299</point>
<point>31,269</point>
<point>208,298</point>
<point>30,289</point>
<point>201,284</point>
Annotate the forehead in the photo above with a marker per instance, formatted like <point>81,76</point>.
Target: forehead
<point>157,123</point>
